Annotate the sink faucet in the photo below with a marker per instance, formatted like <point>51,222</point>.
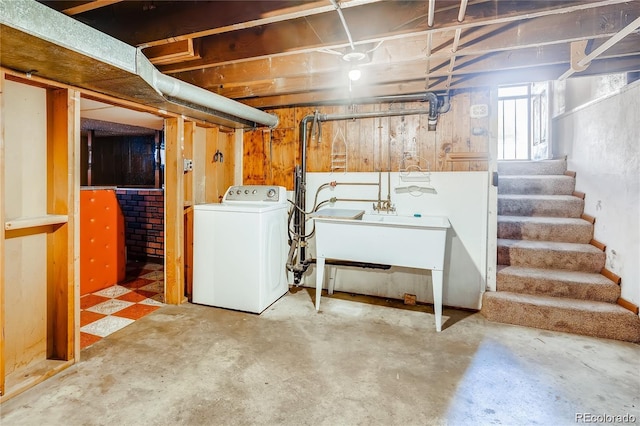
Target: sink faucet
<point>384,206</point>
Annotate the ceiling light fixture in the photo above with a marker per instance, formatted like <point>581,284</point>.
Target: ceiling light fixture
<point>355,74</point>
<point>354,56</point>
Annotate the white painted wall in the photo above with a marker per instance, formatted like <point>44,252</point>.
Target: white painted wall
<point>601,140</point>
<point>461,196</point>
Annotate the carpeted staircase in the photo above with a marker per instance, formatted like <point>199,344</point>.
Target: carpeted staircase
<point>549,274</point>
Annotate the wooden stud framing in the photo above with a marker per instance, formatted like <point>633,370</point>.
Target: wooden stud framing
<point>189,137</point>
<point>174,211</point>
<point>63,141</point>
<point>211,191</point>
<point>189,201</point>
<point>2,283</point>
<point>57,221</point>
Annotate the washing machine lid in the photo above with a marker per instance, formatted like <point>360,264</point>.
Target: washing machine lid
<point>240,208</point>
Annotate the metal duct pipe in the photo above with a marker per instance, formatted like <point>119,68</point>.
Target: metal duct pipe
<point>40,37</point>
<point>193,95</point>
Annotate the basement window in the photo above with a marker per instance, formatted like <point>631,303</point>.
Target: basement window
<point>514,126</point>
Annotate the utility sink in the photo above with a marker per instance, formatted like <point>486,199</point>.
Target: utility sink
<point>409,241</point>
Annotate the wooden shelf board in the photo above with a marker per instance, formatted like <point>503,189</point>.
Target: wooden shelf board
<point>35,221</point>
<point>23,379</point>
<point>468,156</point>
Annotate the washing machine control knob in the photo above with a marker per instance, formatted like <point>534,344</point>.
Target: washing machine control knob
<point>271,193</point>
<point>255,191</point>
<point>238,192</point>
<point>246,191</point>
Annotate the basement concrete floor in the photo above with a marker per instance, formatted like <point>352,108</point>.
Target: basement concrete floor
<point>352,363</point>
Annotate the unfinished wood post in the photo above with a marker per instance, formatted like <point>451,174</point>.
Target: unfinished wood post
<point>63,188</point>
<point>174,211</point>
<point>2,176</point>
<point>189,137</point>
<point>189,140</point>
<point>210,191</point>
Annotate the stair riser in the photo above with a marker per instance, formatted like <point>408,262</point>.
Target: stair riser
<point>589,323</point>
<point>519,185</point>
<point>541,208</point>
<point>538,258</point>
<point>582,233</point>
<point>552,167</point>
<point>548,287</point>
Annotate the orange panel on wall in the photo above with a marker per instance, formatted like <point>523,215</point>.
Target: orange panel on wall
<point>102,257</point>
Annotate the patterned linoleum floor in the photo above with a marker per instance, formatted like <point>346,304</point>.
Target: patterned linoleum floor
<point>115,307</point>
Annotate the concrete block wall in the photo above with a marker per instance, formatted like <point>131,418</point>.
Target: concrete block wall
<point>143,211</point>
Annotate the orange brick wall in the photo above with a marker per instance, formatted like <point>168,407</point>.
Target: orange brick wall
<point>143,211</point>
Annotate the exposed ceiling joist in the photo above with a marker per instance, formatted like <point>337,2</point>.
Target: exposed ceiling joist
<point>279,52</point>
<point>87,6</point>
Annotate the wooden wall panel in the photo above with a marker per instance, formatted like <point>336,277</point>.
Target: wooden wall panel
<point>25,151</point>
<point>255,157</point>
<point>24,183</point>
<point>225,170</point>
<point>199,165</point>
<point>25,307</point>
<point>188,180</point>
<point>372,143</point>
<point>479,142</point>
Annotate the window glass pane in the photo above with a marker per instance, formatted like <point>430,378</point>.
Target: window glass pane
<point>513,123</point>
<point>522,125</point>
<point>513,91</point>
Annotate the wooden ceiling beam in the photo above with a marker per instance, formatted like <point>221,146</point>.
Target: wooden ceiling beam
<point>146,24</point>
<point>411,71</point>
<point>76,7</point>
<point>488,79</point>
<point>91,5</point>
<point>533,34</point>
<point>386,24</point>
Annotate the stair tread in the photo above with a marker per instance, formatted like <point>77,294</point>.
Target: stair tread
<point>564,275</point>
<point>578,316</point>
<point>537,167</point>
<point>537,177</point>
<point>548,245</point>
<point>562,302</point>
<point>542,197</point>
<point>550,220</point>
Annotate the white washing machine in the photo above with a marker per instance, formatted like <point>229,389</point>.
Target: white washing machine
<point>240,249</point>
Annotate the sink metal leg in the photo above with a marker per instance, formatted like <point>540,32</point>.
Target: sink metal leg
<point>319,280</point>
<point>436,281</point>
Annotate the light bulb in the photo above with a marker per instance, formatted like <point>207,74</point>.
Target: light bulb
<point>354,74</point>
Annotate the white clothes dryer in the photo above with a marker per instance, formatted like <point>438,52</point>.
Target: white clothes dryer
<point>240,249</point>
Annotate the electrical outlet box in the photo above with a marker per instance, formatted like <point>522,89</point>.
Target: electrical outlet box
<point>479,111</point>
<point>188,165</point>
